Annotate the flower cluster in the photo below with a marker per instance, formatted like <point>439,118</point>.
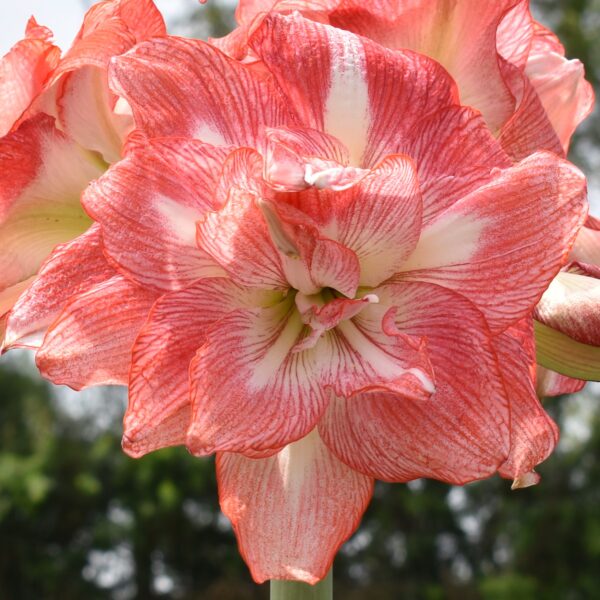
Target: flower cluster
<point>315,247</point>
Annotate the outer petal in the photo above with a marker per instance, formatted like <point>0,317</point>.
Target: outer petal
<point>159,410</point>
<point>571,305</point>
<point>515,34</point>
<point>187,87</point>
<point>71,269</point>
<point>542,198</point>
<point>529,129</point>
<point>550,383</point>
<point>23,72</point>
<point>148,205</point>
<point>459,35</point>
<point>586,248</point>
<point>461,433</point>
<point>42,175</point>
<point>90,342</point>
<point>340,83</point>
<point>533,433</point>
<point>561,86</point>
<point>305,492</point>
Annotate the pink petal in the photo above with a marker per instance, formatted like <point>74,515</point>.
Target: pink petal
<point>237,238</point>
<point>249,391</point>
<point>586,248</point>
<point>23,72</point>
<point>455,153</point>
<point>90,342</point>
<point>459,35</point>
<point>148,205</point>
<point>42,174</point>
<point>380,219</point>
<point>60,277</point>
<point>533,433</point>
<point>529,129</point>
<point>308,505</point>
<point>339,83</point>
<point>186,87</point>
<point>538,206</point>
<point>560,84</point>
<point>571,305</point>
<point>550,383</point>
<point>515,34</point>
<point>159,410</point>
<point>459,434</point>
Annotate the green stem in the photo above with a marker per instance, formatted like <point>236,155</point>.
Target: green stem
<point>295,590</point>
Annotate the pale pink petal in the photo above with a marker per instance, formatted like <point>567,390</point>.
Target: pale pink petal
<point>340,83</point>
<point>571,305</point>
<point>71,269</point>
<point>459,434</point>
<point>42,175</point>
<point>560,84</point>
<point>23,73</point>
<point>529,129</point>
<point>159,410</point>
<point>515,33</point>
<point>586,248</point>
<point>488,245</point>
<point>148,205</point>
<point>549,383</point>
<point>186,87</point>
<point>90,342</point>
<point>533,434</point>
<point>307,506</point>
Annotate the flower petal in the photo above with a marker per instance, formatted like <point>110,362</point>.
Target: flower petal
<point>42,175</point>
<point>90,342</point>
<point>186,87</point>
<point>459,434</point>
<point>586,248</point>
<point>249,391</point>
<point>159,409</point>
<point>571,305</point>
<point>339,83</point>
<point>533,433</point>
<point>307,493</point>
<point>148,205</point>
<point>538,206</point>
<point>560,84</point>
<point>23,72</point>
<point>549,383</point>
<point>60,277</point>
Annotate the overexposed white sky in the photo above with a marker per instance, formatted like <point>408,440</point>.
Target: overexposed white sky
<point>63,17</point>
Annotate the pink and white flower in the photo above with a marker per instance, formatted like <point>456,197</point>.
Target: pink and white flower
<point>345,272</point>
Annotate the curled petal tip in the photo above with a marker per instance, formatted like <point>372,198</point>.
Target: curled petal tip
<point>525,480</point>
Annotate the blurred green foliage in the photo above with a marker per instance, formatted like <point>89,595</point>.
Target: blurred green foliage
<point>80,520</point>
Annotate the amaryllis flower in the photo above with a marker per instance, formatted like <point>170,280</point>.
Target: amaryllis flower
<point>63,128</point>
<point>347,262</point>
<point>506,64</point>
<point>514,71</point>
